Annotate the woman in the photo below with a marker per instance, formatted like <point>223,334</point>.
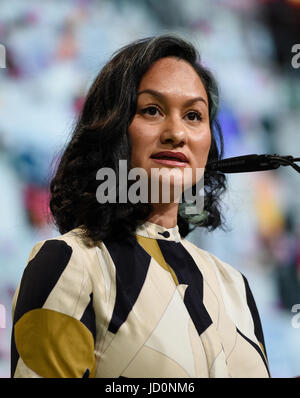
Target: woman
<point>121,292</point>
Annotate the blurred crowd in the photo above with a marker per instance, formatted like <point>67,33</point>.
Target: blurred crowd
<point>54,49</point>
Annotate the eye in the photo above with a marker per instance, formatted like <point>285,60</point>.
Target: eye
<point>194,116</point>
<point>150,110</point>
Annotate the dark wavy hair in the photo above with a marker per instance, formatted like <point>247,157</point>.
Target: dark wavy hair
<point>101,139</point>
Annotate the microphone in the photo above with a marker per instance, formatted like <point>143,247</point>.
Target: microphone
<point>253,162</point>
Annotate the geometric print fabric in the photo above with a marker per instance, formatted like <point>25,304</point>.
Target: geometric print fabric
<point>125,306</point>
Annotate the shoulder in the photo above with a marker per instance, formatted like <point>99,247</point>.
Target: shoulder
<point>64,244</point>
<point>235,292</point>
<point>58,274</point>
<point>225,272</point>
<point>58,253</point>
<point>55,295</point>
<point>233,285</point>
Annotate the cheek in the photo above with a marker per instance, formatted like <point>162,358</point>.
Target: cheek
<point>208,142</point>
<point>137,145</point>
<point>201,147</point>
<point>143,138</point>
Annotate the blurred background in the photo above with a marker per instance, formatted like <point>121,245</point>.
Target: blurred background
<point>54,49</point>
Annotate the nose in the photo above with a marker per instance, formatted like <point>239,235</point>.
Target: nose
<point>173,131</point>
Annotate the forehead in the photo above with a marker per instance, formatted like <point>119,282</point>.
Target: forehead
<point>173,75</point>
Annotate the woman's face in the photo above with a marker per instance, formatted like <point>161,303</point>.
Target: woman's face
<point>172,115</point>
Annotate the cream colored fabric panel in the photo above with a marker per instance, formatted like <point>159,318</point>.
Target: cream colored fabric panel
<point>224,326</point>
<point>243,360</point>
<point>230,285</point>
<point>71,294</point>
<point>234,296</point>
<point>200,361</point>
<point>108,273</point>
<point>169,332</point>
<point>212,347</point>
<point>104,343</point>
<point>197,254</point>
<point>23,371</point>
<point>104,282</point>
<point>159,366</point>
<point>107,283</point>
<point>141,321</point>
<point>219,367</point>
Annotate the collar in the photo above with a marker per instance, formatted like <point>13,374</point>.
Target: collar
<point>155,231</point>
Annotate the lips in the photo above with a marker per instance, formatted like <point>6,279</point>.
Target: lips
<point>168,155</point>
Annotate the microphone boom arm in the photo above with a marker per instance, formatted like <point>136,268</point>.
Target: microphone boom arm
<point>250,163</point>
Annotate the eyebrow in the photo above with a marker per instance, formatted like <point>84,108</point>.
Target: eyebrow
<point>163,97</point>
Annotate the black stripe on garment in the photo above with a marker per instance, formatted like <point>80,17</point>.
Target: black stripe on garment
<point>257,349</point>
<point>132,263</point>
<point>188,273</point>
<point>88,318</point>
<point>38,280</point>
<point>255,315</point>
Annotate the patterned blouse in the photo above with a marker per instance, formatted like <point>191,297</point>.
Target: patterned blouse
<point>152,306</point>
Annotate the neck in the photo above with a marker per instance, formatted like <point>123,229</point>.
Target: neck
<point>164,214</point>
